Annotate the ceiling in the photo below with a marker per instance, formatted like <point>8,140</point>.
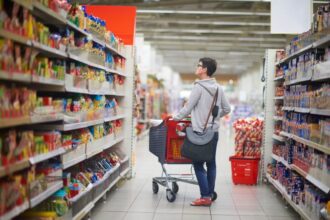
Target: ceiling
<point>234,32</point>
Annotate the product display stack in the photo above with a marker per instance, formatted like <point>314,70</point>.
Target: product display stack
<point>301,149</point>
<point>64,82</point>
<point>248,139</point>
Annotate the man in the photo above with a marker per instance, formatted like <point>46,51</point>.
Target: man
<point>199,104</point>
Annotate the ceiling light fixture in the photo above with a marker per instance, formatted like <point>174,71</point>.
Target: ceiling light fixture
<point>198,12</point>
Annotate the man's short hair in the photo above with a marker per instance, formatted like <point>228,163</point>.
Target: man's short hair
<point>210,64</point>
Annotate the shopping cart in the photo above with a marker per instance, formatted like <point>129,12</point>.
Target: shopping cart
<point>165,141</point>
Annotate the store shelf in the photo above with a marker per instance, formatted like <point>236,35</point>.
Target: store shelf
<point>74,161</point>
<point>77,197</point>
<point>322,41</point>
<point>25,3</point>
<point>71,126</point>
<point>321,78</point>
<point>296,81</point>
<point>76,90</point>
<point>312,144</point>
<point>47,81</point>
<point>279,98</point>
<point>44,195</point>
<point>122,174</point>
<point>110,186</point>
<point>12,168</point>
<point>15,211</point>
<point>285,134</point>
<point>278,138</point>
<point>46,118</point>
<point>324,112</point>
<point>114,142</point>
<point>84,211</point>
<point>296,54</point>
<point>278,118</point>
<point>125,159</point>
<point>30,120</point>
<point>98,41</point>
<point>42,157</point>
<point>113,118</point>
<point>15,37</point>
<point>302,110</point>
<point>93,153</point>
<point>89,207</point>
<point>279,78</point>
<point>87,62</point>
<point>49,50</point>
<point>108,46</point>
<point>114,93</point>
<point>286,108</point>
<point>113,183</point>
<point>73,26</point>
<point>311,179</point>
<point>99,147</point>
<point>308,177</point>
<point>282,190</point>
<point>48,14</point>
<point>19,77</point>
<point>4,123</point>
<point>115,71</point>
<point>281,159</point>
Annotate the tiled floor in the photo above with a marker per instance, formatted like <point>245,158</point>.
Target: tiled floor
<point>135,200</point>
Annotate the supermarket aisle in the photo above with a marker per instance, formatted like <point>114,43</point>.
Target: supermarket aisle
<point>135,200</point>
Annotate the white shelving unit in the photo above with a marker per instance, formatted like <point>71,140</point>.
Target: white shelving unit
<point>319,74</point>
<point>123,141</point>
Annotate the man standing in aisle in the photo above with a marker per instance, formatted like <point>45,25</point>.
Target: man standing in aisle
<point>198,105</point>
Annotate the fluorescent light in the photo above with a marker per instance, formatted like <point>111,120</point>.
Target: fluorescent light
<point>219,23</point>
<point>198,12</point>
<point>215,38</point>
<point>201,31</point>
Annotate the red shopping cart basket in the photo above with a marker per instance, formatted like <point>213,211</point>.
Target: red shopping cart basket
<point>244,170</point>
<point>165,141</point>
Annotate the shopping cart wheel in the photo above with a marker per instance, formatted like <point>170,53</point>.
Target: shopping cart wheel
<point>170,195</point>
<point>155,187</point>
<point>175,187</point>
<point>214,196</point>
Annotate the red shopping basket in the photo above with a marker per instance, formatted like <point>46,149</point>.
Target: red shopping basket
<point>244,170</point>
<point>174,142</point>
<point>165,141</point>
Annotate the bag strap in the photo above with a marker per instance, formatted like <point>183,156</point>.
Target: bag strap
<point>214,102</point>
<point>205,88</point>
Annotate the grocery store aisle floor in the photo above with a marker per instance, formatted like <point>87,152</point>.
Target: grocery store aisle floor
<point>135,199</point>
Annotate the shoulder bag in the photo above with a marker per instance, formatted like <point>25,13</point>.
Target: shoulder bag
<point>198,146</point>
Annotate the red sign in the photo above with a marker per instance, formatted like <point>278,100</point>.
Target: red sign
<point>120,20</point>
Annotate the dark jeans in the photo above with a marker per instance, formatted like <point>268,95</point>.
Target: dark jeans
<point>206,179</point>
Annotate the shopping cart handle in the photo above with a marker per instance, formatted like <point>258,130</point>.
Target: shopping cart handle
<point>155,122</point>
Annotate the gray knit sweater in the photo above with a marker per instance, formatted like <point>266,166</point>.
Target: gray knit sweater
<point>200,102</point>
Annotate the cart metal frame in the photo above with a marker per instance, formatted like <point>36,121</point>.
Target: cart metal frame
<point>158,141</point>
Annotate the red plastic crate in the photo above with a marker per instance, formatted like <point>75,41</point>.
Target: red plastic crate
<point>244,170</point>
